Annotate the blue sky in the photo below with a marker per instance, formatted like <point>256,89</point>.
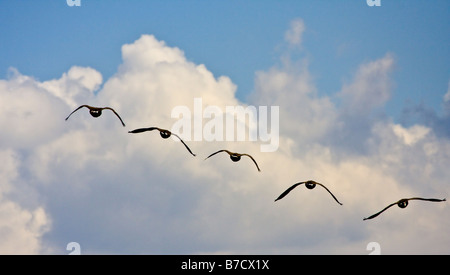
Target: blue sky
<point>238,38</point>
<point>364,108</point>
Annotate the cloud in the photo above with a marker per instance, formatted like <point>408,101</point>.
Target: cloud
<point>411,135</point>
<point>438,121</point>
<point>291,87</point>
<point>370,88</point>
<point>78,84</point>
<point>21,228</point>
<point>293,36</point>
<point>88,180</point>
<point>360,105</point>
<point>447,95</point>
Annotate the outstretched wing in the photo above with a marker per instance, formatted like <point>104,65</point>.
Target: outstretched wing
<point>123,124</point>
<point>423,199</point>
<point>376,214</point>
<point>87,106</point>
<point>140,130</point>
<point>184,144</point>
<point>253,161</point>
<point>288,190</point>
<point>329,192</point>
<point>217,153</point>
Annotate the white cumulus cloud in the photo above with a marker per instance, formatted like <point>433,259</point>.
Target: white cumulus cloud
<point>21,227</point>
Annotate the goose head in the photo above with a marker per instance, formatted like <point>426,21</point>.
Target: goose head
<point>95,112</point>
<point>235,157</point>
<point>402,203</point>
<point>165,133</point>
<point>310,184</point>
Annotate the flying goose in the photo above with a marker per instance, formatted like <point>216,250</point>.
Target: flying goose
<point>310,184</point>
<point>164,134</point>
<point>96,112</point>
<point>402,204</point>
<point>235,157</point>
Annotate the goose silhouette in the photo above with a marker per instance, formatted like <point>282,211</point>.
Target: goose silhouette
<point>310,184</point>
<point>96,112</point>
<point>402,204</point>
<point>235,157</point>
<point>164,134</point>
